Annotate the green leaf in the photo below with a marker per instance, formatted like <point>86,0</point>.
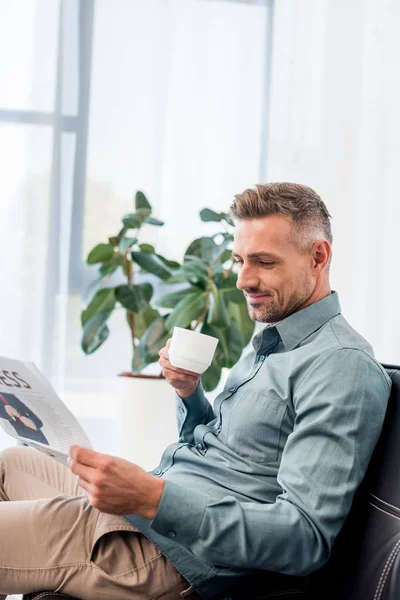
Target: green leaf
<point>210,378</point>
<point>214,331</point>
<point>172,299</point>
<point>134,298</point>
<point>240,314</point>
<point>154,338</point>
<point>178,277</point>
<point>230,291</point>
<point>142,205</point>
<point>228,219</point>
<point>234,342</point>
<point>105,271</point>
<point>221,252</point>
<point>103,301</point>
<point>203,248</point>
<point>138,363</point>
<point>151,263</point>
<point>206,214</point>
<point>226,255</point>
<point>95,332</point>
<point>131,221</point>
<point>127,243</point>
<point>110,266</point>
<point>100,253</point>
<point>195,270</point>
<point>147,248</point>
<point>218,313</point>
<point>170,263</point>
<point>189,309</point>
<point>208,250</point>
<point>153,221</point>
<point>143,319</point>
<point>230,346</point>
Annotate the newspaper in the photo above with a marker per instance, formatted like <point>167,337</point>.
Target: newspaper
<point>31,411</point>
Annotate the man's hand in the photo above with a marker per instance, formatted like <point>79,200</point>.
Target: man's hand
<point>185,382</point>
<point>28,423</point>
<point>12,412</point>
<point>114,485</point>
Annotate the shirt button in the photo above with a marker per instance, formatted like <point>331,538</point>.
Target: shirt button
<point>218,426</point>
<point>232,389</point>
<point>199,446</point>
<point>158,471</point>
<point>181,410</point>
<point>171,534</point>
<point>262,357</point>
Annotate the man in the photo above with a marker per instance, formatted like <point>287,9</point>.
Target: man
<point>262,480</point>
<point>22,419</point>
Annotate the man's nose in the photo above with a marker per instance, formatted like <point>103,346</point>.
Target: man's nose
<point>247,278</point>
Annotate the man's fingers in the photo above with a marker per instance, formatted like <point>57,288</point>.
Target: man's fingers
<point>86,456</point>
<point>84,484</point>
<point>176,371</point>
<point>164,349</point>
<point>166,365</point>
<point>82,471</point>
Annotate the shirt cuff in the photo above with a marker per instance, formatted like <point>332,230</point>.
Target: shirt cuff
<point>198,393</point>
<point>179,514</point>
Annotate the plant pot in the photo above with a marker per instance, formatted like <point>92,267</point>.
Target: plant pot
<point>145,418</point>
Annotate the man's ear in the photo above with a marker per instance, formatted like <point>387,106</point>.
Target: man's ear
<point>321,254</point>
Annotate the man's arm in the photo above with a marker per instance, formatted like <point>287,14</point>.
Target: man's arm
<point>192,407</point>
<point>340,406</point>
<point>192,411</point>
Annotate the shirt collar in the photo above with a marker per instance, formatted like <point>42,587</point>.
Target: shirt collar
<point>298,326</point>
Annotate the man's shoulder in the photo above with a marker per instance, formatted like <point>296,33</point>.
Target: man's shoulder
<point>347,337</point>
<point>339,342</point>
<point>343,344</point>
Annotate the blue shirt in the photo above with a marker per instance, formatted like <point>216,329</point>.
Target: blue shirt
<point>265,479</point>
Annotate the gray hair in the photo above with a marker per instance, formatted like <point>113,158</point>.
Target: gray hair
<point>308,213</point>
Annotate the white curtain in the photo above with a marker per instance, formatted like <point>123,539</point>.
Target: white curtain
<point>99,99</point>
<point>335,125</point>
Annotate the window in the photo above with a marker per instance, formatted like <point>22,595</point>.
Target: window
<point>104,98</point>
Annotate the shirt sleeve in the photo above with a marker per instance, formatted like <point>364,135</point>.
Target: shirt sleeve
<point>192,411</point>
<point>340,405</point>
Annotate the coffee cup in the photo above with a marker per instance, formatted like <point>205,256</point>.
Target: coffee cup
<point>191,350</point>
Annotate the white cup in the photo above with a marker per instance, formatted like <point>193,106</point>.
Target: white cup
<point>191,350</point>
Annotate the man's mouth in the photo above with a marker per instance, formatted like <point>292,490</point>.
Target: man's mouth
<point>256,296</point>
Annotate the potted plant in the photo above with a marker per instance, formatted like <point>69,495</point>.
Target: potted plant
<point>124,252</point>
<point>207,299</point>
<point>139,396</point>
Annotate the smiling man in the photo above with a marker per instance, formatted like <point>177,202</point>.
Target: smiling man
<point>263,479</point>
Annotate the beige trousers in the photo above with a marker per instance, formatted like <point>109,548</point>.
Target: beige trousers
<point>51,538</point>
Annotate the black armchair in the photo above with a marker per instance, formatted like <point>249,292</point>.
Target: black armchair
<point>365,561</point>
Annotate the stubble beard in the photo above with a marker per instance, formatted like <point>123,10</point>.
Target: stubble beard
<point>272,312</point>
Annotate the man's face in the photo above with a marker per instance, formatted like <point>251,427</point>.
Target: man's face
<point>274,274</point>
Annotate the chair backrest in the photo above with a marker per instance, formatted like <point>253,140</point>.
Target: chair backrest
<point>365,562</point>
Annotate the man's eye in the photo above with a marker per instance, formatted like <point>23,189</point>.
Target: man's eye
<point>267,264</point>
<point>237,261</point>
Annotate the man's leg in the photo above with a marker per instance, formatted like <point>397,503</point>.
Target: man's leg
<point>52,538</point>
